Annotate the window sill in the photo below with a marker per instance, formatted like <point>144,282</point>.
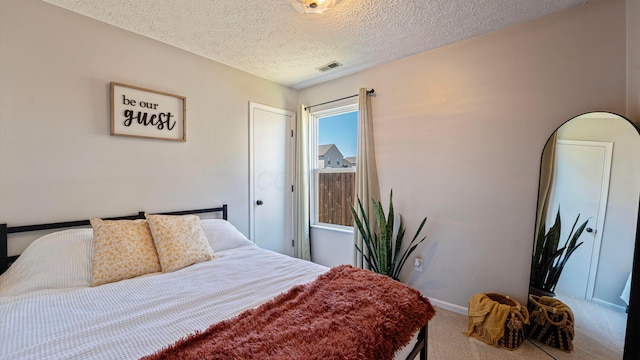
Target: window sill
<point>336,228</point>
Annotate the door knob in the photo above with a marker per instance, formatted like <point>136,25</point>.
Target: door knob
<point>259,202</point>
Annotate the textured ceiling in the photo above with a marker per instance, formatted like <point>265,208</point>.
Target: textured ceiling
<point>270,39</point>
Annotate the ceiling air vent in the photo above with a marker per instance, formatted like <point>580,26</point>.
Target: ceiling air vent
<point>329,66</point>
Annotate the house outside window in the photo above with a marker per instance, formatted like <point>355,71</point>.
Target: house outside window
<point>333,150</point>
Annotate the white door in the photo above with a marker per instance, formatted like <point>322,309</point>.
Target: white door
<point>581,187</point>
<point>271,149</point>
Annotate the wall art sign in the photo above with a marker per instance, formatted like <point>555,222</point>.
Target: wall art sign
<point>144,113</point>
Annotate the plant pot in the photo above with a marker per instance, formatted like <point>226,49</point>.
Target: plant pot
<point>539,292</point>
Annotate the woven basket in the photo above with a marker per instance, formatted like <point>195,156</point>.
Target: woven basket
<point>514,327</point>
<point>484,317</point>
<point>551,322</point>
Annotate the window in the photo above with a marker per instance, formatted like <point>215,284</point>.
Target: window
<point>334,137</point>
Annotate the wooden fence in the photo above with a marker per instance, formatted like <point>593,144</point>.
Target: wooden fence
<point>335,192</point>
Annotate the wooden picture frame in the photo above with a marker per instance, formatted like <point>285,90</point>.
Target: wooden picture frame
<point>144,113</point>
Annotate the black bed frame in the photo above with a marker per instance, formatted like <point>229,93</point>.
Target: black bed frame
<point>420,348</point>
<point>5,230</point>
<point>421,344</point>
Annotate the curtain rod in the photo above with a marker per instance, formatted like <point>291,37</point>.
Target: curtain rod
<point>369,92</point>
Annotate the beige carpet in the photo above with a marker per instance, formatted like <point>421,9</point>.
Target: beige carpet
<point>446,341</point>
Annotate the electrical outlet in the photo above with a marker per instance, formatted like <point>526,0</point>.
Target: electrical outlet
<point>417,264</point>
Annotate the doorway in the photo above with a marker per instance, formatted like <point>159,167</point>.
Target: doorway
<point>581,185</point>
<point>271,177</point>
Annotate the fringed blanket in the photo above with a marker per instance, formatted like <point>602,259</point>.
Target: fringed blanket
<point>346,313</point>
<point>486,319</point>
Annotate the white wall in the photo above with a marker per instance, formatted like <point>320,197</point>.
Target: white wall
<point>58,161</point>
<point>476,114</point>
<point>619,230</point>
<point>459,132</point>
<point>331,247</point>
<point>633,60</point>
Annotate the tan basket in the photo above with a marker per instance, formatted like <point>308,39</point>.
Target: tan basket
<point>515,322</point>
<point>551,322</point>
<point>514,328</point>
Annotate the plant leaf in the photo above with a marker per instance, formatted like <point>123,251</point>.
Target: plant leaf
<point>365,232</point>
<point>382,241</point>
<point>385,253</point>
<point>548,260</point>
<point>389,233</point>
<point>400,262</point>
<point>398,244</point>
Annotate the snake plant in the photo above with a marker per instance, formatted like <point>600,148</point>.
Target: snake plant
<point>548,260</point>
<point>383,245</point>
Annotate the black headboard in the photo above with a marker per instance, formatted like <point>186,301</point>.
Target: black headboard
<point>5,230</point>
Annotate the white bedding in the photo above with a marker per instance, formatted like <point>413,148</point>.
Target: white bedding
<point>136,317</point>
<point>48,310</point>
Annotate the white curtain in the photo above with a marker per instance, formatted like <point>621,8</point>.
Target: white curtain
<point>547,174</point>
<point>367,186</point>
<point>302,246</point>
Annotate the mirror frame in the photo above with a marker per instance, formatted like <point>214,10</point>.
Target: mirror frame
<point>632,333</point>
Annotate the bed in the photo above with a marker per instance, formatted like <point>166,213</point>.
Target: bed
<point>48,308</point>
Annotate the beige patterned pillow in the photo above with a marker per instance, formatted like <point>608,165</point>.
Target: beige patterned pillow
<point>180,241</point>
<point>122,249</point>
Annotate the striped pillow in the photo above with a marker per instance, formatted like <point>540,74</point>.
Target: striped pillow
<point>59,260</point>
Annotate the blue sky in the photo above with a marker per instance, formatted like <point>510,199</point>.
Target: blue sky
<point>341,130</point>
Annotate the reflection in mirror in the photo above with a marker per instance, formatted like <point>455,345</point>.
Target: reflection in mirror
<point>590,169</point>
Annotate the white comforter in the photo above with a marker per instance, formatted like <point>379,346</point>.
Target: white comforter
<point>136,317</point>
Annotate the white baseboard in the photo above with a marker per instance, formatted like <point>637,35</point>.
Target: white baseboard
<point>449,306</point>
<point>609,305</point>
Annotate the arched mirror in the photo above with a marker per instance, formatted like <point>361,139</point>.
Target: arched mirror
<point>590,173</point>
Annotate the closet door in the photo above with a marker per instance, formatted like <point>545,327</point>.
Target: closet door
<point>271,177</point>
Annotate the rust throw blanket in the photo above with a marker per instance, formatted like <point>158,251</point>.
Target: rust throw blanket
<point>346,313</point>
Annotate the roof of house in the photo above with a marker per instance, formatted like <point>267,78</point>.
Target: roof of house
<point>323,149</point>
